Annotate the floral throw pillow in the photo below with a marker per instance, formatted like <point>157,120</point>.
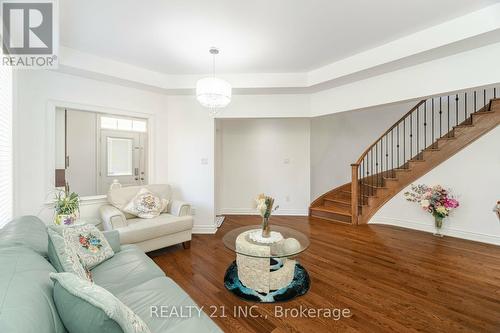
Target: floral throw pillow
<point>146,205</point>
<point>89,243</point>
<point>67,258</point>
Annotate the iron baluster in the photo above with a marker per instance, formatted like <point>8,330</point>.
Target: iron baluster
<point>432,126</point>
<point>448,133</point>
<point>397,146</point>
<point>440,117</point>
<point>465,108</point>
<point>418,129</point>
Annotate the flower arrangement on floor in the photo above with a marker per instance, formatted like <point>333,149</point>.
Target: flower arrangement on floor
<point>265,208</point>
<point>66,207</point>
<point>436,200</point>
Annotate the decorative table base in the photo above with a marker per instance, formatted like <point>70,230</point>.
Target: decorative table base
<point>299,286</point>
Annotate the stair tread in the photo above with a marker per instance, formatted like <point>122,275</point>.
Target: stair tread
<point>335,210</point>
<point>374,186</point>
<point>329,219</point>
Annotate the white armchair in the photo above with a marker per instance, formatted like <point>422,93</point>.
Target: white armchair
<point>173,226</point>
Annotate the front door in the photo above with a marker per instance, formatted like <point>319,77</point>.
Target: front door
<point>122,159</point>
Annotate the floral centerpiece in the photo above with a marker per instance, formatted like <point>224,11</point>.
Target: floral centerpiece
<point>436,200</point>
<point>66,207</point>
<point>265,208</point>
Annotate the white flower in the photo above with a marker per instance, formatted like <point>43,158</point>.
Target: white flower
<point>424,203</point>
<point>262,207</point>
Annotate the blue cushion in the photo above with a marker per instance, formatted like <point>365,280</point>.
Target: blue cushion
<point>27,231</point>
<point>26,303</point>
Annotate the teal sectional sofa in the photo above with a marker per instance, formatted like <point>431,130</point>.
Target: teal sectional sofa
<point>26,290</point>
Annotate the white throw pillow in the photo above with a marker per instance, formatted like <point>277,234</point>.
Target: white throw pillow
<point>89,243</point>
<point>146,204</point>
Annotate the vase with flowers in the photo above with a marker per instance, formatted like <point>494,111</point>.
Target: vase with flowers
<point>66,207</point>
<point>435,200</point>
<point>265,208</point>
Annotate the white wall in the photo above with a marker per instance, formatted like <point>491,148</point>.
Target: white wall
<point>183,136</point>
<point>190,144</point>
<point>473,175</point>
<point>455,72</point>
<point>36,90</point>
<point>267,106</point>
<point>264,156</point>
<point>338,140</point>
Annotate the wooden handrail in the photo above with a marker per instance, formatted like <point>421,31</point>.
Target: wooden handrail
<point>360,159</point>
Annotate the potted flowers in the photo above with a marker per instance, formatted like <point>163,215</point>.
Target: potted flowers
<point>265,208</point>
<point>436,200</point>
<point>66,207</point>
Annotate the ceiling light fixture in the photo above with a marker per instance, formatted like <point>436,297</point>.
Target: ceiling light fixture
<point>212,92</point>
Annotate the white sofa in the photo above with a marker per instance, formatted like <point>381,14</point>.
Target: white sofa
<point>173,226</point>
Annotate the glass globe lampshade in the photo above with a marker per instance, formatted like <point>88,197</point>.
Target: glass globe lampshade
<point>213,92</point>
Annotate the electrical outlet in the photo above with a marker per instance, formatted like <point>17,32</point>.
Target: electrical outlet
<point>204,161</point>
<point>193,211</point>
<point>286,161</point>
<point>287,198</point>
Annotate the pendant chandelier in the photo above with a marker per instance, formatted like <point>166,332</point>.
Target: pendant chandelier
<point>212,92</point>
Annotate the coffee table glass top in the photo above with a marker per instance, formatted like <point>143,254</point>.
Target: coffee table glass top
<point>292,242</point>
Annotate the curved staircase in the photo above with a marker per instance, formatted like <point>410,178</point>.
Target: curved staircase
<point>430,133</point>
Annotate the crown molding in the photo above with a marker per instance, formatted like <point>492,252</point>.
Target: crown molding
<point>461,34</point>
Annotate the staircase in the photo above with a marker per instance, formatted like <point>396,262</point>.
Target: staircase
<point>431,132</point>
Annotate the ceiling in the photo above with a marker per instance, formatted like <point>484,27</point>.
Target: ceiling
<point>258,36</point>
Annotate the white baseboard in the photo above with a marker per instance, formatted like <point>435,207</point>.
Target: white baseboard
<point>250,211</point>
<point>204,229</point>
<point>429,227</point>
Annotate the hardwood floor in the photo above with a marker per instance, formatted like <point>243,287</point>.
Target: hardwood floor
<point>391,279</point>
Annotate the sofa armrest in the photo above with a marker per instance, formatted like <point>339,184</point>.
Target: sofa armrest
<point>112,217</point>
<point>180,208</point>
<point>113,238</point>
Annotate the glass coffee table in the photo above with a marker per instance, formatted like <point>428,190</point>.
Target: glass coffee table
<point>266,269</point>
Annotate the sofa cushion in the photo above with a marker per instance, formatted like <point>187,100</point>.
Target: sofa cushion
<point>125,269</point>
<point>120,197</point>
<point>26,303</point>
<point>89,243</point>
<point>139,230</point>
<point>27,231</point>
<point>165,292</point>
<point>63,257</point>
<point>79,316</point>
<point>85,305</point>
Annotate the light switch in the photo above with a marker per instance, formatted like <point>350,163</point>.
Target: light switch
<point>286,161</point>
<point>204,161</point>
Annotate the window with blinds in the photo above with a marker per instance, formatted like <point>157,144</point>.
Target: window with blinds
<point>5,145</point>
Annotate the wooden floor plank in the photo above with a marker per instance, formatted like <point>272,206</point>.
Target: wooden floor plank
<point>392,280</point>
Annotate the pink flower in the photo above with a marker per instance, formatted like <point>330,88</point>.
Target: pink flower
<point>451,203</point>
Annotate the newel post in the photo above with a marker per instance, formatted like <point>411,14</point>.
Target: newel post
<point>354,192</point>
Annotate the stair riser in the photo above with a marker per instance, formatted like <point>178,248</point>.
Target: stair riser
<point>329,203</point>
<point>342,196</point>
<point>333,216</point>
